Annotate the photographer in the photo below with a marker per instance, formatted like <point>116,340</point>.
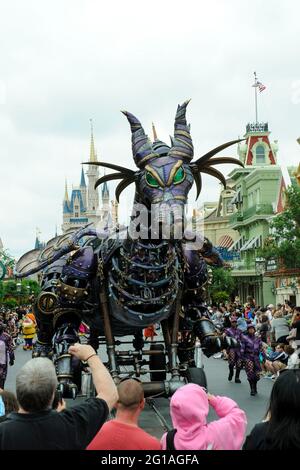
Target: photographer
<point>189,409</point>
<point>37,426</point>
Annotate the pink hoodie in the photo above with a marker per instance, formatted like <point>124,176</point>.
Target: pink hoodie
<point>189,410</point>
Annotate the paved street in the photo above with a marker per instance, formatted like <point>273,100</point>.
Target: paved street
<point>216,371</point>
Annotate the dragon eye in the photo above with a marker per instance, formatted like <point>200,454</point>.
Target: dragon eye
<point>151,180</point>
<point>179,176</point>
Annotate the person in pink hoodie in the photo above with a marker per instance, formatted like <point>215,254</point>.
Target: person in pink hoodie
<point>189,409</point>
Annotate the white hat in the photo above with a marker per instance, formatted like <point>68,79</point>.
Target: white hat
<point>270,306</point>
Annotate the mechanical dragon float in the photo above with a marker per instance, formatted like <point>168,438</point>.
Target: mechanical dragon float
<point>118,282</point>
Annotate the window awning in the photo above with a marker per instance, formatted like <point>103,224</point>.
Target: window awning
<point>236,245</point>
<point>237,199</point>
<point>225,241</point>
<point>252,243</point>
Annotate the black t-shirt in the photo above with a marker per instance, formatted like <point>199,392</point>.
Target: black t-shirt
<point>71,429</point>
<point>256,439</point>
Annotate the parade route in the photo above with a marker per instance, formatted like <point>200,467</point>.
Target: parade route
<point>216,371</point>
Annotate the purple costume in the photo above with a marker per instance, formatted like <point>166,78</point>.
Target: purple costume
<point>234,354</point>
<point>250,350</point>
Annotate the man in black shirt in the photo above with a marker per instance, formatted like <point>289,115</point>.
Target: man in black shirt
<point>37,426</point>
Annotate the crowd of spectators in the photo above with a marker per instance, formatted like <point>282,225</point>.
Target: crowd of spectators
<point>276,326</point>
<point>38,418</point>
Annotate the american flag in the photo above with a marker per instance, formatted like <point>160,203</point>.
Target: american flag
<point>260,86</point>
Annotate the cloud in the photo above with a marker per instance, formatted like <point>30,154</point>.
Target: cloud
<point>63,62</point>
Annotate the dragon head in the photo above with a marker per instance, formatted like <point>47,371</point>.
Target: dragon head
<point>165,173</point>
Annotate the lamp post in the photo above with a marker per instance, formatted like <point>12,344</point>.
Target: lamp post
<point>19,287</point>
<point>28,292</point>
<point>260,265</point>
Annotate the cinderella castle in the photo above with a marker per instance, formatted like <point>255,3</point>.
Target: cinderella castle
<point>84,206</point>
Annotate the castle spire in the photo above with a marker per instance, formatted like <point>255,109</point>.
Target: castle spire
<point>93,155</point>
<point>66,198</point>
<point>154,132</point>
<point>82,180</point>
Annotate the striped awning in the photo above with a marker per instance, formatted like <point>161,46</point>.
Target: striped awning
<point>225,241</point>
<point>237,244</point>
<point>251,244</point>
<point>238,198</point>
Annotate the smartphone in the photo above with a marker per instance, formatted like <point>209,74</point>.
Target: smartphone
<point>58,398</point>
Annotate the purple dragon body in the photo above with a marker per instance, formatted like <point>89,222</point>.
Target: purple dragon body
<point>123,281</point>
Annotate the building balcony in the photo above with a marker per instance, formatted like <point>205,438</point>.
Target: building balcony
<point>254,211</point>
<point>243,265</point>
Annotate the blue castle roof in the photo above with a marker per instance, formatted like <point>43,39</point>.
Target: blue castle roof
<point>77,193</point>
<point>68,206</point>
<point>82,180</point>
<point>105,190</point>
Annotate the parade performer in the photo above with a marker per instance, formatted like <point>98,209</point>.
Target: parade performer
<point>234,353</point>
<point>6,354</point>
<point>28,330</point>
<point>121,280</point>
<point>251,351</point>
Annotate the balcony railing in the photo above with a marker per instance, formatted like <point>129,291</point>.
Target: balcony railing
<point>258,209</point>
<point>243,265</point>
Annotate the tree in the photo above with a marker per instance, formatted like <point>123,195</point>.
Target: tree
<point>1,290</point>
<point>11,292</point>
<point>222,285</point>
<point>284,240</point>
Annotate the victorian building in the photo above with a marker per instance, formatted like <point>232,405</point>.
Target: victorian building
<point>258,189</point>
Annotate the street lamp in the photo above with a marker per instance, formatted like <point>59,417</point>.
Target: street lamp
<point>260,266</point>
<point>19,287</point>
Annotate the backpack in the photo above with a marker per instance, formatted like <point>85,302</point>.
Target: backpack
<point>170,441</point>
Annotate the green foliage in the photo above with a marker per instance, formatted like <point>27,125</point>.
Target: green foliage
<point>284,242</point>
<point>1,290</point>
<point>15,292</point>
<point>220,297</point>
<point>222,285</point>
<point>10,303</point>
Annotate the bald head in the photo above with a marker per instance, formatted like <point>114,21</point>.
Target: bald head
<point>131,394</point>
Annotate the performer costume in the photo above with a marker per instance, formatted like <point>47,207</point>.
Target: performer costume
<point>120,281</point>
<point>28,330</point>
<point>234,353</point>
<point>251,349</point>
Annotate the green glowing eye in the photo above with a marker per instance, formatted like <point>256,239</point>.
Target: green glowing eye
<point>151,180</point>
<point>179,176</point>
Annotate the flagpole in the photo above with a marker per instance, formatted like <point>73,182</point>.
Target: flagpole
<point>255,86</point>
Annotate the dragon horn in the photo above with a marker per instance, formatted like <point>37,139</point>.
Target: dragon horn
<point>141,145</point>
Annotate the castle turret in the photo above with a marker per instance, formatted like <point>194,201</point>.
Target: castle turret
<point>66,201</point>
<point>83,188</point>
<point>93,175</point>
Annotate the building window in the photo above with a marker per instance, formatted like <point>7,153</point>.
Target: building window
<point>260,155</point>
<point>229,207</point>
<point>76,214</point>
<point>76,208</point>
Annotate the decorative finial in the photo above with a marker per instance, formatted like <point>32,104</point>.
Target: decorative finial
<point>154,132</point>
<point>93,155</point>
<point>66,191</point>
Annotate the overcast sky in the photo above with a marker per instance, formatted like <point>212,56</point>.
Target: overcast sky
<point>63,62</point>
